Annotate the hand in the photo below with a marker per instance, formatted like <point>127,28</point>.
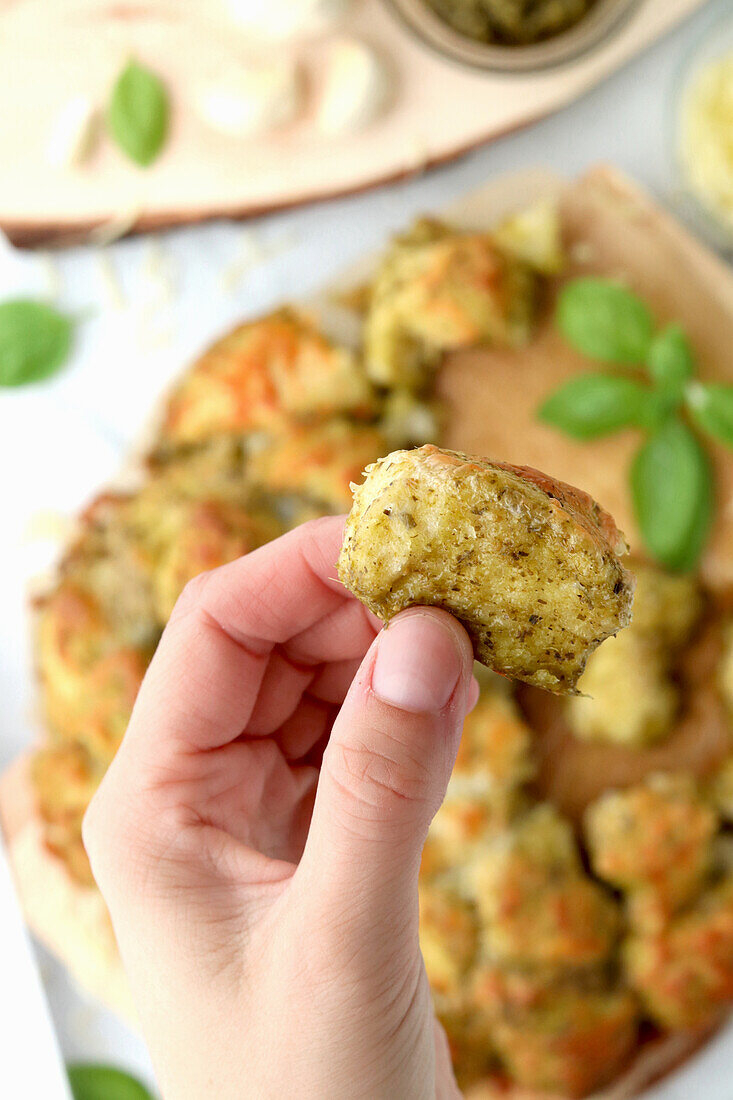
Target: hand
<point>258,835</point>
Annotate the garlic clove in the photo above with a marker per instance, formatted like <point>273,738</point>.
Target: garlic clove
<point>251,98</point>
<point>74,133</point>
<point>356,85</point>
<point>283,19</point>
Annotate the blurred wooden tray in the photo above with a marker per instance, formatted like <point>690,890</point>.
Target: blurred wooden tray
<point>53,49</point>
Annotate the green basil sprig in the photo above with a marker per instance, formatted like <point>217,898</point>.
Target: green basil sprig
<point>711,408</point>
<point>672,489</point>
<point>605,321</point>
<point>35,341</point>
<point>592,405</point>
<point>138,113</point>
<point>96,1082</point>
<point>671,476</point>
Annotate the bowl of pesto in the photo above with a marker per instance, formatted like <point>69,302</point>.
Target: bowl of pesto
<point>513,36</point>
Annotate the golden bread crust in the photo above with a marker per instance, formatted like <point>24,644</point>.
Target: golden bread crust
<point>261,374</point>
<point>529,566</point>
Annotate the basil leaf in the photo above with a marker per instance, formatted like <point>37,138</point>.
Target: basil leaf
<point>658,408</point>
<point>593,405</point>
<point>137,115</point>
<point>672,488</point>
<point>604,320</point>
<point>95,1082</point>
<point>671,362</point>
<point>35,340</point>
<point>711,406</point>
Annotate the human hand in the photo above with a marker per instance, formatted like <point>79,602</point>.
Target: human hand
<point>258,836</point>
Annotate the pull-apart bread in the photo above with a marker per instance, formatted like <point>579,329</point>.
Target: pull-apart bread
<point>529,565</point>
<point>576,886</point>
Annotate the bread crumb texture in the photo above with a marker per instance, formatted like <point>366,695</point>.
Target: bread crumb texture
<point>530,566</point>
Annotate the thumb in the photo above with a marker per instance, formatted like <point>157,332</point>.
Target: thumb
<point>388,762</point>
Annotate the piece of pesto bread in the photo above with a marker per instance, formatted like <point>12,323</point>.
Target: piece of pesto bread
<point>529,565</point>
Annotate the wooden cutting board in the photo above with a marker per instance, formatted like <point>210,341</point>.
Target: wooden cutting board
<point>51,50</point>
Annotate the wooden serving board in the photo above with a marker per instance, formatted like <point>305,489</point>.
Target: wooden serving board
<point>610,227</point>
<point>51,50</point>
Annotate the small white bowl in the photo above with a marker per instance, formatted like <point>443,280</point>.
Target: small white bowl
<point>715,42</point>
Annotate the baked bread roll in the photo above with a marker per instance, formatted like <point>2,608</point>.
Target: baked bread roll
<point>528,565</point>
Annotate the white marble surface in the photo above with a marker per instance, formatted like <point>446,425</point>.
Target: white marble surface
<point>60,440</point>
<point>42,1074</point>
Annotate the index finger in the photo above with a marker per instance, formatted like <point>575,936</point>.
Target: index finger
<point>203,682</point>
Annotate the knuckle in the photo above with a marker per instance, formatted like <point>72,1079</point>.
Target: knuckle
<point>191,598</point>
<point>93,832</point>
<point>111,838</point>
<point>381,779</point>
